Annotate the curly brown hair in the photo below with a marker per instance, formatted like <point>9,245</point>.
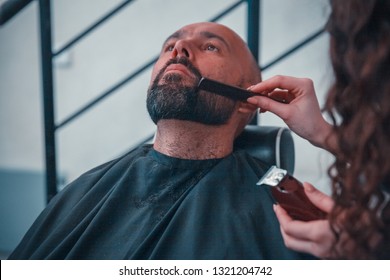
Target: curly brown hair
<point>359,106</point>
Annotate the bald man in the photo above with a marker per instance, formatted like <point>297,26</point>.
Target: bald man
<point>187,196</point>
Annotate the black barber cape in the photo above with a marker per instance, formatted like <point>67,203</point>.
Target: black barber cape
<point>146,205</point>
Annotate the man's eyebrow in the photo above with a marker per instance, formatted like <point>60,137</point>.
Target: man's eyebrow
<point>207,34</point>
<point>212,35</point>
<point>176,35</point>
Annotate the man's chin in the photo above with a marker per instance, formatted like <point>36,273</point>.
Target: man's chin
<point>178,79</point>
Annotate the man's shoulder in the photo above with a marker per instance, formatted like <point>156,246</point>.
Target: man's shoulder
<point>254,162</point>
<point>121,160</point>
<point>104,174</point>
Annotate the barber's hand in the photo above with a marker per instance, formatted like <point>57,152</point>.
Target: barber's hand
<point>313,237</point>
<point>301,112</point>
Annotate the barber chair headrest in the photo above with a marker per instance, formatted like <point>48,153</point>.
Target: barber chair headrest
<point>270,144</point>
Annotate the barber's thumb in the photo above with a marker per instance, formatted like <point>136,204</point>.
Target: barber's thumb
<point>318,198</point>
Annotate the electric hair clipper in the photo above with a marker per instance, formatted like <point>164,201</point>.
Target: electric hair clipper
<point>289,193</point>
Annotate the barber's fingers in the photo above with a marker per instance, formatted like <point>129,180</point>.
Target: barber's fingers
<point>283,96</point>
<point>280,96</point>
<point>295,86</point>
<point>290,226</point>
<point>315,237</point>
<point>267,104</point>
<point>283,89</point>
<point>320,249</point>
<point>319,199</point>
<point>246,107</point>
<point>282,214</point>
<point>299,229</point>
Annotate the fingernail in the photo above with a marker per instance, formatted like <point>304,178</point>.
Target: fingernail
<point>308,187</point>
<point>251,100</point>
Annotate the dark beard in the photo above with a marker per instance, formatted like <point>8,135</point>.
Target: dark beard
<point>172,99</point>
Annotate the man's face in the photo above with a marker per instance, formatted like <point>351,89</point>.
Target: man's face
<point>194,51</point>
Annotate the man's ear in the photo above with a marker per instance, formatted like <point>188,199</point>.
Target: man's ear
<point>246,108</point>
<point>247,112</point>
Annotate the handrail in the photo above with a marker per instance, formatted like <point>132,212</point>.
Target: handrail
<point>92,27</point>
<point>294,48</point>
<point>227,10</point>
<point>116,10</point>
<point>10,8</point>
<point>107,92</point>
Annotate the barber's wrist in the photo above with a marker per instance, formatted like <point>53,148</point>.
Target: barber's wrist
<point>324,137</point>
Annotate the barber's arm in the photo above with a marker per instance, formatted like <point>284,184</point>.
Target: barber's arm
<point>300,110</point>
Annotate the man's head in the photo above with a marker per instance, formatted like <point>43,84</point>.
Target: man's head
<point>202,49</point>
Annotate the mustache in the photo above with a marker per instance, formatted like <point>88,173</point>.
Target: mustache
<point>184,61</point>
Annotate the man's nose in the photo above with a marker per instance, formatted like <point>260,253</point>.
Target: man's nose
<point>182,48</point>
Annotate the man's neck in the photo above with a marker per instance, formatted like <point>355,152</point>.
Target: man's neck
<point>191,140</point>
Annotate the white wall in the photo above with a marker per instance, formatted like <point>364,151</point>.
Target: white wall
<point>112,52</point>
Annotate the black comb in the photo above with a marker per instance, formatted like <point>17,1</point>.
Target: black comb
<point>229,91</point>
<point>232,92</point>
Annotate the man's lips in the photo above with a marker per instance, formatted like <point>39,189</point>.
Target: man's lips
<point>179,68</point>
